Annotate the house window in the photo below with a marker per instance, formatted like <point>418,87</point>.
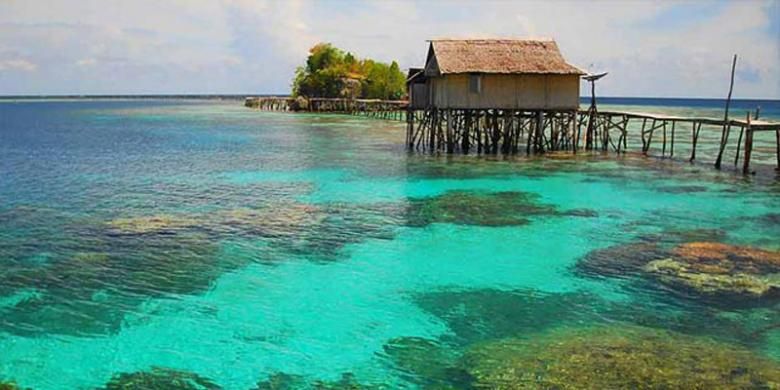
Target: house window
<point>475,83</point>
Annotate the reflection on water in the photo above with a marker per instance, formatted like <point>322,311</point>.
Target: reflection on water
<point>200,245</point>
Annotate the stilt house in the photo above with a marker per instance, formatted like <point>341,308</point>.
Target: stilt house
<point>513,74</point>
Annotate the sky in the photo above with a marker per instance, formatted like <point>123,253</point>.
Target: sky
<point>650,48</point>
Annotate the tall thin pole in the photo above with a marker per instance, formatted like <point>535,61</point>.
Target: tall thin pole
<point>724,138</point>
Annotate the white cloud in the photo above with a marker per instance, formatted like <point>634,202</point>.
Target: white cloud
<point>17,64</point>
<point>253,46</point>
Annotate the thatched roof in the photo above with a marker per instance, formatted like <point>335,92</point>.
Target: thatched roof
<point>505,56</point>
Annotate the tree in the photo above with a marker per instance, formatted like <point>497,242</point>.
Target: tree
<point>329,72</point>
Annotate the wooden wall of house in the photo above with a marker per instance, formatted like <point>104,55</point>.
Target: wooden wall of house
<point>418,95</point>
<point>549,92</point>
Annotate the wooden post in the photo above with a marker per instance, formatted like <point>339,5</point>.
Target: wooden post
<point>748,146</point>
<point>663,148</point>
<point>539,130</point>
<point>739,142</point>
<point>650,137</point>
<point>466,129</point>
<point>450,135</point>
<point>671,152</point>
<point>695,139</point>
<point>478,130</point>
<point>724,138</point>
<point>410,116</point>
<point>777,136</point>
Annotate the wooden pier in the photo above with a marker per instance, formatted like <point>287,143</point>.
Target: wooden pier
<point>494,131</point>
<point>371,108</point>
<point>519,131</point>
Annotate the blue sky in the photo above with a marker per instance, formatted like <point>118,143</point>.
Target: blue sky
<point>650,48</point>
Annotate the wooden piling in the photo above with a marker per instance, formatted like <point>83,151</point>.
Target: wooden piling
<point>748,145</point>
<point>724,138</point>
<point>777,137</point>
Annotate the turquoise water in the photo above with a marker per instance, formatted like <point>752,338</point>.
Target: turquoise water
<point>236,244</point>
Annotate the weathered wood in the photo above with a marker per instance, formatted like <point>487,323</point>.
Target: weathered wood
<point>458,130</point>
<point>694,139</point>
<point>726,128</point>
<point>739,142</point>
<point>450,135</point>
<point>748,146</point>
<point>663,148</point>
<point>777,138</point>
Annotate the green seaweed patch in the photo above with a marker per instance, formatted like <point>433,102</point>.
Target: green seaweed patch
<point>618,356</point>
<point>425,362</point>
<point>159,378</point>
<point>476,208</point>
<point>284,381</point>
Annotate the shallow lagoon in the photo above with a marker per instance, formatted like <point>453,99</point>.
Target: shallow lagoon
<point>239,245</point>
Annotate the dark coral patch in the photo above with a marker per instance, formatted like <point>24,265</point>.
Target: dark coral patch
<point>160,379</point>
<point>284,381</point>
<point>476,208</point>
<point>620,261</point>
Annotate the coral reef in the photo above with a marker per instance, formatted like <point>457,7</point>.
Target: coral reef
<point>271,220</point>
<point>617,357</point>
<point>620,261</point>
<point>284,381</point>
<point>4,385</point>
<point>153,224</point>
<point>159,378</point>
<point>88,293</point>
<point>476,208</point>
<point>712,268</point>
